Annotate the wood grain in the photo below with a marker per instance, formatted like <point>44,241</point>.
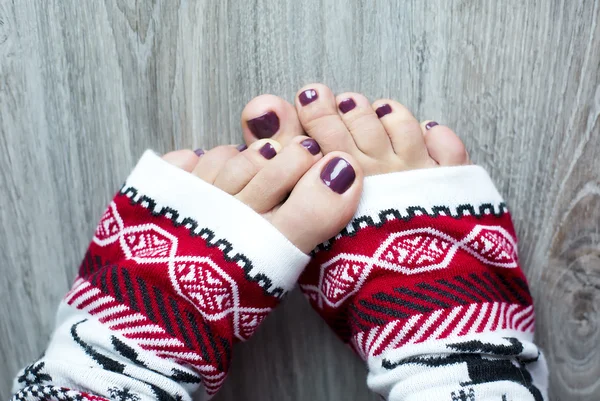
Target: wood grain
<point>85,87</point>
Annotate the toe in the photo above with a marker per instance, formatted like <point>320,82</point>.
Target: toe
<point>185,159</point>
<point>269,116</point>
<point>273,183</point>
<point>241,168</point>
<point>364,125</point>
<point>443,145</point>
<point>404,132</point>
<point>211,162</point>
<point>317,111</point>
<point>322,203</point>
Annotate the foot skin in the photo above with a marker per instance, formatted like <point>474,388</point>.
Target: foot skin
<point>308,197</point>
<point>384,136</point>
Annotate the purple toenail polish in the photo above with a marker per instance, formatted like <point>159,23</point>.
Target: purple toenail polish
<point>308,96</point>
<point>242,147</point>
<point>430,125</point>
<point>312,146</point>
<point>346,105</point>
<point>268,151</point>
<point>383,110</point>
<point>264,126</point>
<point>199,152</point>
<point>338,175</point>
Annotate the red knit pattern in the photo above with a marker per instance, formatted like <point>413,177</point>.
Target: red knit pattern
<point>428,278</point>
<point>168,290</point>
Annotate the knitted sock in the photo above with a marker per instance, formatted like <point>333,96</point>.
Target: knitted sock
<point>425,285</point>
<point>177,272</point>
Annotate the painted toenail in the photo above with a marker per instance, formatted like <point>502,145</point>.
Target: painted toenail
<point>242,147</point>
<point>312,146</point>
<point>308,96</point>
<point>338,175</point>
<point>346,105</point>
<point>268,151</point>
<point>430,125</point>
<point>264,126</point>
<point>383,110</point>
<point>199,152</point>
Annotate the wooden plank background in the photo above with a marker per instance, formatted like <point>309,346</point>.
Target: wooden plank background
<point>86,86</point>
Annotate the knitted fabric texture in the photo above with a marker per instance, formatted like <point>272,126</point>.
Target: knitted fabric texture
<point>425,285</point>
<point>171,280</point>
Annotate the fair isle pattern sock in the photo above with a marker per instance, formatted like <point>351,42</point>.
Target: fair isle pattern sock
<point>177,272</point>
<point>425,285</point>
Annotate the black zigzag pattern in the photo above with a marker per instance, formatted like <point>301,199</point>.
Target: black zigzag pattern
<point>157,306</point>
<point>358,223</point>
<point>208,235</point>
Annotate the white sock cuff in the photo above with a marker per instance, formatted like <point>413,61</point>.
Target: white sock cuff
<point>178,195</point>
<point>456,191</point>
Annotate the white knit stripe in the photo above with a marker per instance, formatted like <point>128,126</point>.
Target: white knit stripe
<point>512,308</point>
<point>74,289</point>
<point>126,320</point>
<point>529,323</point>
<point>98,303</point>
<point>371,337</point>
<point>517,316</point>
<point>405,329</point>
<point>170,342</point>
<point>149,328</point>
<point>428,322</point>
<point>118,308</point>
<point>526,321</point>
<point>502,312</point>
<point>381,338</point>
<point>85,296</point>
<point>442,327</point>
<point>490,322</point>
<point>482,314</point>
<point>463,322</point>
<point>188,356</point>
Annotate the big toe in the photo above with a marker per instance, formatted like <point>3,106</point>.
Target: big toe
<point>322,203</point>
<point>269,116</point>
<point>443,145</point>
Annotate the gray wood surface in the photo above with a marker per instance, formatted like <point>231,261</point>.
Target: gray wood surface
<point>86,86</point>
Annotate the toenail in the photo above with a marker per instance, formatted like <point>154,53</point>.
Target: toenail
<point>312,146</point>
<point>268,151</point>
<point>338,175</point>
<point>264,126</point>
<point>383,110</point>
<point>242,147</point>
<point>346,105</point>
<point>430,125</point>
<point>308,96</point>
<point>199,152</point>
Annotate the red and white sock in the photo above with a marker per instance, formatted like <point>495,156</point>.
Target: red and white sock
<point>425,285</point>
<point>177,272</point>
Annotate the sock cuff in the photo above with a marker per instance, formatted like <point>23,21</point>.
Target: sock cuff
<point>235,228</point>
<point>450,191</point>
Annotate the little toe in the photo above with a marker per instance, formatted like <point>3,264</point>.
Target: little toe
<point>185,159</point>
<point>443,145</point>
<point>211,162</point>
<point>322,202</point>
<point>404,132</point>
<point>364,125</point>
<point>276,179</point>
<point>318,113</point>
<point>269,116</point>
